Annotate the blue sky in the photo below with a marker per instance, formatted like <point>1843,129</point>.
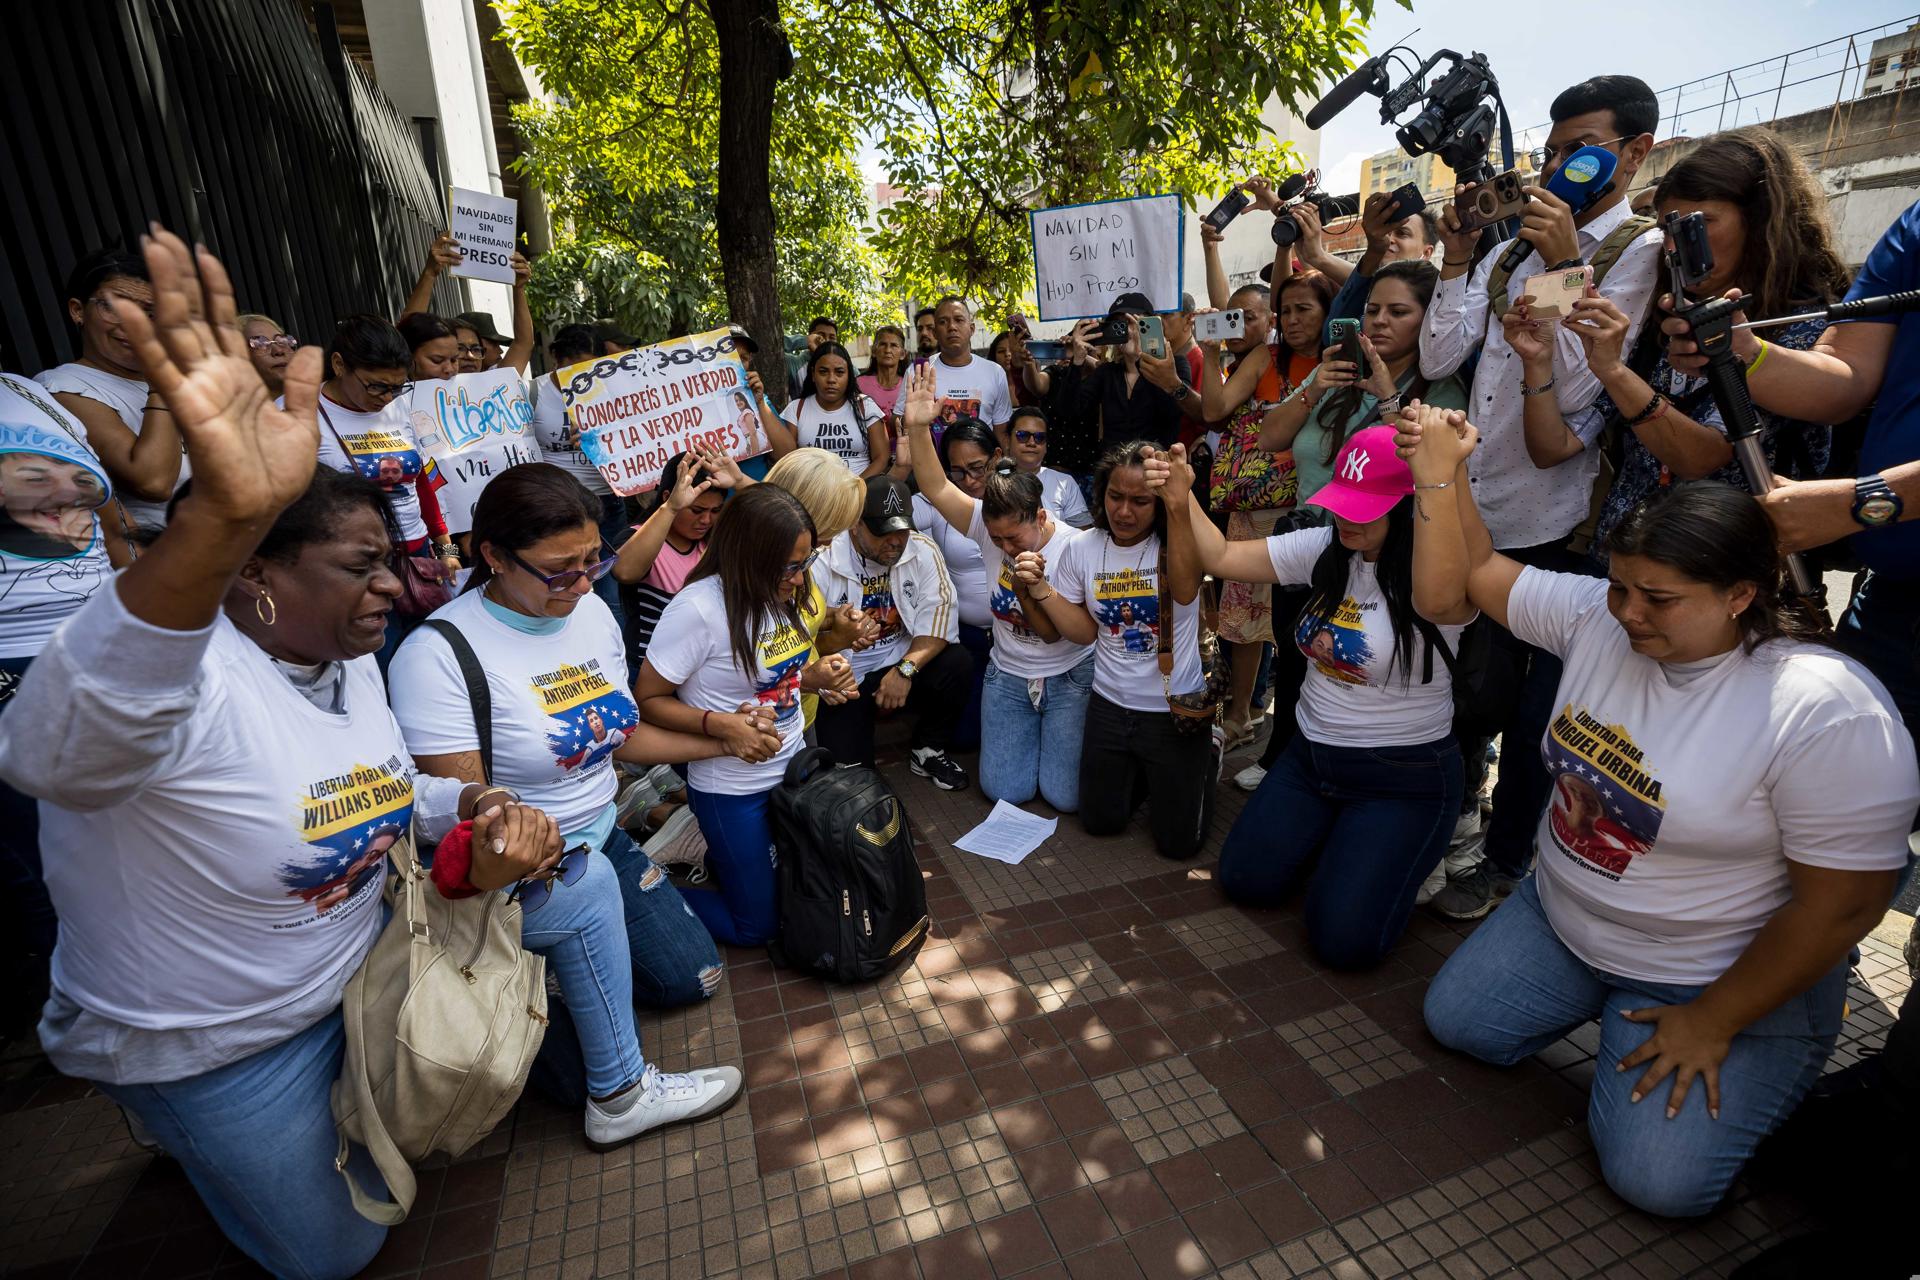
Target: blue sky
<point>1537,50</point>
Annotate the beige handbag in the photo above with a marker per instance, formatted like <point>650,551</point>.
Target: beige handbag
<point>442,1024</point>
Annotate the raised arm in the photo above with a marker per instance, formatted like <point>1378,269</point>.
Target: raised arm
<point>1455,568</point>
<point>519,355</point>
<point>146,465</point>
<point>637,554</point>
<point>1218,290</point>
<point>443,255</point>
<point>918,405</point>
<point>1194,546</point>
<point>1550,441</point>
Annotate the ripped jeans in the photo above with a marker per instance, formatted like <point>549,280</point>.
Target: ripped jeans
<point>674,963</point>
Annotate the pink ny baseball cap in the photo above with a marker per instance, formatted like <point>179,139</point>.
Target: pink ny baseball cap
<point>1369,476</point>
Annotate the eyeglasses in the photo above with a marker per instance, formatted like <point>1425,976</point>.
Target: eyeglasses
<point>559,583</point>
<point>1544,156</point>
<point>470,349</point>
<point>797,568</point>
<point>533,894</point>
<point>973,471</point>
<point>277,342</point>
<point>1030,437</point>
<point>383,390</point>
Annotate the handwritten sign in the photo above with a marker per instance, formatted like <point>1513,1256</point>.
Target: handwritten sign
<point>473,426</point>
<point>634,411</point>
<point>484,225</point>
<point>1086,255</point>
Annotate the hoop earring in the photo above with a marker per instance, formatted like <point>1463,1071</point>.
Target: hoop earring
<point>267,615</point>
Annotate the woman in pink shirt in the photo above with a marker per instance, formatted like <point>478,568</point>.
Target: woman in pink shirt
<point>654,563</point>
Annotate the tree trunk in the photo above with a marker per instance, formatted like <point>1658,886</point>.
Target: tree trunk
<point>754,57</point>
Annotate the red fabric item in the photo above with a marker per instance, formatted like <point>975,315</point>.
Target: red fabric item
<point>429,505</point>
<point>452,861</point>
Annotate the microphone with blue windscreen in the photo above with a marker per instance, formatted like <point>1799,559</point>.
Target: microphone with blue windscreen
<point>1582,180</point>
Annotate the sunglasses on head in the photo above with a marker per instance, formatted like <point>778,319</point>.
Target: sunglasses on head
<point>533,894</point>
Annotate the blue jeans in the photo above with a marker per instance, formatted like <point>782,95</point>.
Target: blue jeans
<point>615,528</point>
<point>673,957</point>
<point>1513,988</point>
<point>1362,825</point>
<point>257,1141</point>
<point>1034,749</point>
<point>745,910</point>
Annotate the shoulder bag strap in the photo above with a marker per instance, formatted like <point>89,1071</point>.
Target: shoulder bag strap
<point>321,404</point>
<point>1166,622</point>
<point>477,695</point>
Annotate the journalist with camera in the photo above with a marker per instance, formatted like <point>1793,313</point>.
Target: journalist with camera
<point>1531,511</point>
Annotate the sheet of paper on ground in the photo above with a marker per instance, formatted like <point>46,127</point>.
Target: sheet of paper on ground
<point>473,426</point>
<point>636,410</point>
<point>484,226</point>
<point>1008,835</point>
<point>1087,255</point>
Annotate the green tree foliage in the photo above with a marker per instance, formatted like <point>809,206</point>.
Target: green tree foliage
<point>984,109</point>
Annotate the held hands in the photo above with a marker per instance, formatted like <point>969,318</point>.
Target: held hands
<point>1030,567</point>
<point>1547,225</point>
<point>512,842</point>
<point>1686,1042</point>
<point>748,733</point>
<point>1168,471</point>
<point>832,678</point>
<point>249,458</point>
<point>1434,441</point>
<point>854,622</point>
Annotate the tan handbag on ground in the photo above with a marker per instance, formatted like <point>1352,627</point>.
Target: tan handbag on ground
<point>442,1024</point>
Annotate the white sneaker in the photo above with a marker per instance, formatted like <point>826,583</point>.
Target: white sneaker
<point>678,843</point>
<point>1250,778</point>
<point>636,798</point>
<point>660,1099</point>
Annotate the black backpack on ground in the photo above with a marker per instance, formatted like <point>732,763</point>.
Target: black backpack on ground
<point>852,903</point>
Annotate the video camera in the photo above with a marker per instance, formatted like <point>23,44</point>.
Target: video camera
<point>1458,116</point>
<point>1303,188</point>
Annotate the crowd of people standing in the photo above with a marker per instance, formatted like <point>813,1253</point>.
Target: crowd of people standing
<point>227,581</point>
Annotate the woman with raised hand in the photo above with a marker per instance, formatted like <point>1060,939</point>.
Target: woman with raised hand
<point>220,772</point>
<point>1033,705</point>
<point>831,413</point>
<point>734,636</point>
<point>1729,817</point>
<point>1117,587</point>
<point>1360,805</point>
<point>655,560</point>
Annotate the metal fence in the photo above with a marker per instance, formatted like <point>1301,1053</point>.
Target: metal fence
<point>229,121</point>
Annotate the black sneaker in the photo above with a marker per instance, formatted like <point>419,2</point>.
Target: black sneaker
<point>939,768</point>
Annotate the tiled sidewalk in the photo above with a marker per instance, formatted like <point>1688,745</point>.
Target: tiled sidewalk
<point>1097,1068</point>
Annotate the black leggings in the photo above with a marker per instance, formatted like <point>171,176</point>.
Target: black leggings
<point>1129,756</point>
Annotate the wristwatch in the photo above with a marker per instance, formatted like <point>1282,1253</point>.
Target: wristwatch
<point>1875,504</point>
<point>907,669</point>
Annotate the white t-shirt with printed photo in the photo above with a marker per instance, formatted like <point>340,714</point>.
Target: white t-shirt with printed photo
<point>127,397</point>
<point>1120,587</point>
<point>876,601</point>
<point>562,703</point>
<point>382,447</point>
<point>1356,694</point>
<point>978,388</point>
<point>838,431</point>
<point>1682,791</point>
<point>964,563</point>
<point>691,649</point>
<point>1017,650</point>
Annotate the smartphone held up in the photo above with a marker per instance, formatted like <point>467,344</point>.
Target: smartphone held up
<point>1219,326</point>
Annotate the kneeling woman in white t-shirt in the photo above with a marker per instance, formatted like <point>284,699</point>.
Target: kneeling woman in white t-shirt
<point>218,768</point>
<point>830,413</point>
<point>1728,819</point>
<point>735,635</point>
<point>561,709</point>
<point>1033,702</point>
<point>1362,802</point>
<point>1116,588</point>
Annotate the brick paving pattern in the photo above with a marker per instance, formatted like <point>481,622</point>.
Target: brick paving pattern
<point>1096,1068</point>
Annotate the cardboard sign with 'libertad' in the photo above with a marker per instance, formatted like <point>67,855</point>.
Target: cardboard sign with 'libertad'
<point>1087,255</point>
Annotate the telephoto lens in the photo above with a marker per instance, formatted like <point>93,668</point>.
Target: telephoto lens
<point>1285,229</point>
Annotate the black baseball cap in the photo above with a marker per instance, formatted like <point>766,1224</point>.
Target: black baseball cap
<point>889,507</point>
<point>1131,304</point>
<point>481,322</point>
<point>742,339</point>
